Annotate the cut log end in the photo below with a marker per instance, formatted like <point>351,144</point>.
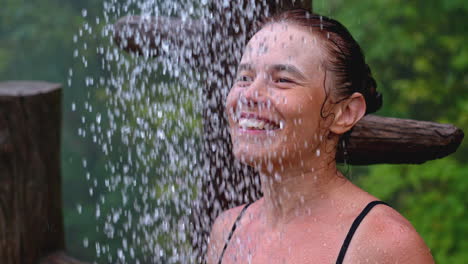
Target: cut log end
<point>143,35</point>
<point>390,140</point>
<point>27,88</point>
<point>127,29</point>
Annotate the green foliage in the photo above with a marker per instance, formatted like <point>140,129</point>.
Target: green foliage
<point>433,197</point>
<point>418,54</point>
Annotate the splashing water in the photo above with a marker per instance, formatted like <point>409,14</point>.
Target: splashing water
<point>147,122</point>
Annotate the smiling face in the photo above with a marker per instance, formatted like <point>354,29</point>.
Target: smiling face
<point>274,105</point>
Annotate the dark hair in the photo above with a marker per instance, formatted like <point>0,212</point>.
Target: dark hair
<point>346,59</point>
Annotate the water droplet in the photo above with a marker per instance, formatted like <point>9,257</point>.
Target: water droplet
<point>98,118</point>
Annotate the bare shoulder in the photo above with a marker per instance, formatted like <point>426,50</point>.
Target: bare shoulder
<point>385,236</point>
<point>220,232</point>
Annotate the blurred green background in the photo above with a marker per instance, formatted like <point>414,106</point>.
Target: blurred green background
<point>417,51</point>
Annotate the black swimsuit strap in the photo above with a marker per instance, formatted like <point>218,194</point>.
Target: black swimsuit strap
<point>234,226</point>
<point>346,242</point>
<point>353,228</point>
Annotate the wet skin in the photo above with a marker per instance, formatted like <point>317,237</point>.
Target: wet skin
<point>308,206</point>
<point>274,81</point>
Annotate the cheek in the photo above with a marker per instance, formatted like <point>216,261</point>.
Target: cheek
<point>231,101</point>
<point>304,118</point>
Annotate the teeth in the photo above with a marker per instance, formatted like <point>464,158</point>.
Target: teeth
<point>251,123</point>
<point>255,123</point>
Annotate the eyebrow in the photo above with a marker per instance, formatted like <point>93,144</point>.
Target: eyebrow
<point>288,68</point>
<point>275,67</point>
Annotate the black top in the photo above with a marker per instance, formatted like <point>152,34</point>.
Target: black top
<point>346,242</point>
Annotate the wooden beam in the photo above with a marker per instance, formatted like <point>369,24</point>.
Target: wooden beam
<point>374,139</point>
<point>377,139</point>
<point>144,35</point>
<point>147,35</point>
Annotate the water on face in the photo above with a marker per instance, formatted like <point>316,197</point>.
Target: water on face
<point>144,115</point>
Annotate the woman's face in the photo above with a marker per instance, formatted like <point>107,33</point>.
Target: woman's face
<point>274,105</point>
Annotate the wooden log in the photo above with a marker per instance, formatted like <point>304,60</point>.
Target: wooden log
<point>374,139</point>
<point>377,139</point>
<point>146,35</point>
<point>31,224</point>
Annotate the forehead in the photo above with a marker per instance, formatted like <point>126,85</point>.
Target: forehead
<point>283,43</point>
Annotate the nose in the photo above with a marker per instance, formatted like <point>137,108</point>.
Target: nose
<point>256,92</point>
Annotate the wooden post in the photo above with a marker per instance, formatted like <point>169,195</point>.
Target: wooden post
<point>31,224</point>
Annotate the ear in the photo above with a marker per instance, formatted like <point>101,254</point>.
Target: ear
<point>347,113</point>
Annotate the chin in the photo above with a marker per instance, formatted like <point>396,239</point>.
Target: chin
<point>254,155</point>
<point>247,155</point>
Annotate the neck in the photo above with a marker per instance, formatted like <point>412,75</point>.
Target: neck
<point>298,191</point>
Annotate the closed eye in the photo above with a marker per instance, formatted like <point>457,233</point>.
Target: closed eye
<point>243,80</point>
<point>284,80</point>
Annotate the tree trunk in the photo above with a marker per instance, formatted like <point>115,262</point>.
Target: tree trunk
<point>31,224</point>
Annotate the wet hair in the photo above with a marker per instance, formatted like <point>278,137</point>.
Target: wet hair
<point>345,57</point>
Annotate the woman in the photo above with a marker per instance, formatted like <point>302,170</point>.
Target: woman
<point>302,84</point>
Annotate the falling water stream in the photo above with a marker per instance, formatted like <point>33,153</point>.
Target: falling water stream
<point>160,138</point>
<point>148,127</point>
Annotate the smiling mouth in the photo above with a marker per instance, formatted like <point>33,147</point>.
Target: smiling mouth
<point>254,122</point>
